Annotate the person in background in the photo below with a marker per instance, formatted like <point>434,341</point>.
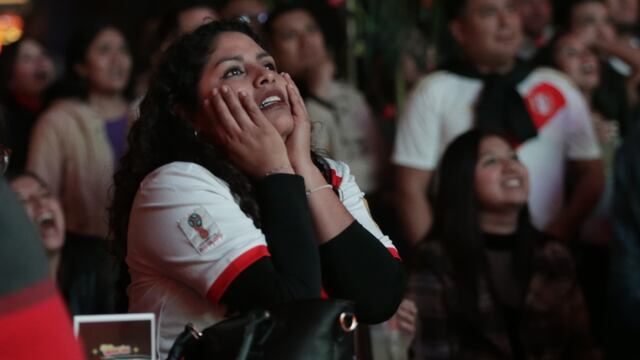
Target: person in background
<point>191,14</point>
<point>220,205</point>
<point>572,55</point>
<point>591,20</point>
<point>26,71</point>
<point>343,123</point>
<point>34,321</point>
<point>80,265</point>
<point>45,212</point>
<point>537,24</point>
<point>488,88</point>
<point>487,284</point>
<point>77,142</point>
<point>605,93</point>
<point>253,12</point>
<point>624,15</point>
<point>623,315</point>
<point>180,19</point>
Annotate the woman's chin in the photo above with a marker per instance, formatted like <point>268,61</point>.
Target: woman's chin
<point>53,244</point>
<point>52,237</point>
<point>283,124</point>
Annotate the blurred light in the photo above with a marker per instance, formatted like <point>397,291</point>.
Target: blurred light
<point>11,27</point>
<point>14,2</point>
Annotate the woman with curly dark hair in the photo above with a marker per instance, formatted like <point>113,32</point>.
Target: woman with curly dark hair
<point>221,205</point>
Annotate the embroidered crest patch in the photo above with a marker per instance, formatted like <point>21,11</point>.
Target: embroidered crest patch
<point>543,102</point>
<point>200,229</point>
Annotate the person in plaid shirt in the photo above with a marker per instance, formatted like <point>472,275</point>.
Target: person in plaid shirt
<point>487,284</point>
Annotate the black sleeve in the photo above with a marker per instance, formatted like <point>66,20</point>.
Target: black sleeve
<point>293,270</point>
<point>356,266</point>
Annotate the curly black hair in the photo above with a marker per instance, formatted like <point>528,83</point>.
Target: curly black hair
<point>161,136</point>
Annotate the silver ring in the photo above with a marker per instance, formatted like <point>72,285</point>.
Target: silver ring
<point>352,320</point>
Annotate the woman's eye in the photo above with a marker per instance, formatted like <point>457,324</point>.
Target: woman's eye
<point>489,160</point>
<point>232,72</point>
<point>568,52</point>
<point>104,49</point>
<point>270,66</point>
<point>288,35</point>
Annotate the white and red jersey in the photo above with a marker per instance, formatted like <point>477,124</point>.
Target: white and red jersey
<point>442,107</point>
<point>188,240</point>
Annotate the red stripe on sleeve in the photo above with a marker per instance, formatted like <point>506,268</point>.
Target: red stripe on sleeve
<point>394,253</point>
<point>233,270</point>
<point>39,329</point>
<point>336,180</point>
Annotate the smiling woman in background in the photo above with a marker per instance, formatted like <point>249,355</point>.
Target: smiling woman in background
<point>78,264</point>
<point>487,284</point>
<point>45,212</point>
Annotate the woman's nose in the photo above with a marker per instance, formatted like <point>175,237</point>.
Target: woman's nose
<point>509,164</point>
<point>265,76</point>
<point>37,202</point>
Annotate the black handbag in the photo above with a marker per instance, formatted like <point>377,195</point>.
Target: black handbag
<point>311,329</point>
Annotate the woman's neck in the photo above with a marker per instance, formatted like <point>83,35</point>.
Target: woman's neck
<point>587,93</point>
<point>108,106</point>
<point>501,68</point>
<point>33,103</point>
<point>501,223</point>
<point>54,264</point>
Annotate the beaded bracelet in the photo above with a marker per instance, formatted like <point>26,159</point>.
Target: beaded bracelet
<point>325,186</point>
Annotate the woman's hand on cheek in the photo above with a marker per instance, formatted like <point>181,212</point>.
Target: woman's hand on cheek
<point>250,140</point>
<point>299,141</point>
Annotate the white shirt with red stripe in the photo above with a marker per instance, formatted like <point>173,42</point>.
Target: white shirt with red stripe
<point>188,240</point>
<point>442,107</point>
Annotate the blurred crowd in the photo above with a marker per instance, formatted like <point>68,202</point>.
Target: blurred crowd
<point>507,179</point>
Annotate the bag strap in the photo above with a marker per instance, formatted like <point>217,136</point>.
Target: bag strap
<point>257,317</point>
<point>186,337</point>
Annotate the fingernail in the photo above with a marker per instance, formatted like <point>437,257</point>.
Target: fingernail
<point>241,93</point>
<point>214,92</point>
<point>225,89</point>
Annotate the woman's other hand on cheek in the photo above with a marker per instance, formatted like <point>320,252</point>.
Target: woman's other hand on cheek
<point>250,140</point>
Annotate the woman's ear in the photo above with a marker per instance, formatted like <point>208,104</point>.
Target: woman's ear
<point>457,31</point>
<point>179,111</point>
